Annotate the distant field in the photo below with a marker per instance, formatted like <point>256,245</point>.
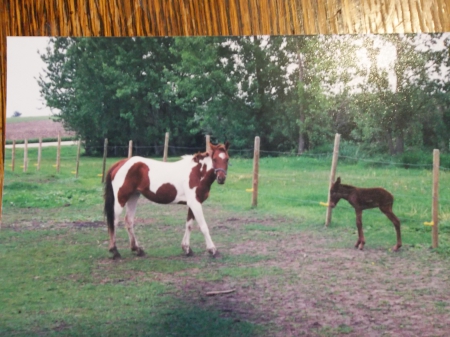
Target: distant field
<point>19,128</point>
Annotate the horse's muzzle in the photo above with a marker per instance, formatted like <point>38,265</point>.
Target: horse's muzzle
<point>221,179</point>
<point>221,175</point>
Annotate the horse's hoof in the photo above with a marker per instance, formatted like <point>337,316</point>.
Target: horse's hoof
<point>190,252</point>
<point>395,248</point>
<point>361,247</point>
<point>140,252</point>
<point>116,254</point>
<point>215,255</point>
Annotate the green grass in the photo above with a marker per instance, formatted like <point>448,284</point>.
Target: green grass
<point>59,279</point>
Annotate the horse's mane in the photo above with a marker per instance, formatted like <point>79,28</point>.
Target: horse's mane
<point>195,157</point>
<point>201,155</point>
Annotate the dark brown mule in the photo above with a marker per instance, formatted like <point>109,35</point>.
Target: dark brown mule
<point>365,198</point>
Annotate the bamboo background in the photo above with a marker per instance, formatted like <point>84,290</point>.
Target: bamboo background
<point>210,17</point>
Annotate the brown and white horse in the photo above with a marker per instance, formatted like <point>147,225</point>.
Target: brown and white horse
<point>187,181</point>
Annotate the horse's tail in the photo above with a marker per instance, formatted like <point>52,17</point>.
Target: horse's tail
<point>109,201</point>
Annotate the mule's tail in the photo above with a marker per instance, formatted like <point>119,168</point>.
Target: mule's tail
<point>109,202</point>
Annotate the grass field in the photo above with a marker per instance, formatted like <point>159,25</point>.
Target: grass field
<point>290,275</point>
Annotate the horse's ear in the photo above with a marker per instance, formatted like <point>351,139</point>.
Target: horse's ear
<point>211,148</point>
<point>338,180</point>
<point>227,145</point>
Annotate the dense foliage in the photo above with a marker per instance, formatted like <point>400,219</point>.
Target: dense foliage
<point>294,92</point>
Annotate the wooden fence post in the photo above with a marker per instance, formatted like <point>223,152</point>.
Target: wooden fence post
<point>208,143</point>
<point>166,146</point>
<point>255,172</point>
<point>337,139</point>
<point>105,151</point>
<point>130,148</point>
<point>78,158</point>
<point>13,155</point>
<point>25,156</point>
<point>39,154</point>
<point>435,202</point>
<point>58,153</point>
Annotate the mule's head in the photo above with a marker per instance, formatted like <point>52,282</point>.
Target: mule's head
<point>335,194</point>
<point>219,156</point>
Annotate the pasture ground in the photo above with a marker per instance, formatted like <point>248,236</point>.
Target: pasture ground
<point>291,276</point>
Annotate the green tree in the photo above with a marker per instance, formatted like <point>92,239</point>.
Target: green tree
<point>116,89</point>
<point>397,96</point>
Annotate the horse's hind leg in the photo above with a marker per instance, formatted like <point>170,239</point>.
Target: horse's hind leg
<point>129,224</point>
<point>112,232</point>
<point>185,244</point>
<point>361,241</point>
<point>387,210</point>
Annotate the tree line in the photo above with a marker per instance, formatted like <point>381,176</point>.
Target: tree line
<point>293,92</point>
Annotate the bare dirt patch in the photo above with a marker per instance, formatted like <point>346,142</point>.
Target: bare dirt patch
<point>35,129</point>
<point>315,291</point>
<point>333,292</point>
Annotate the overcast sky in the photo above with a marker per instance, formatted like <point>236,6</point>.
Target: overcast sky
<point>23,67</point>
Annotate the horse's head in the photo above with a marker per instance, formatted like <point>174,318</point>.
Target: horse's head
<point>335,194</point>
<point>219,156</point>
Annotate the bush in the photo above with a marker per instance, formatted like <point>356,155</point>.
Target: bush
<point>411,159</point>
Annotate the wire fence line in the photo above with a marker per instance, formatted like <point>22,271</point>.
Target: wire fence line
<point>194,149</point>
<point>264,177</point>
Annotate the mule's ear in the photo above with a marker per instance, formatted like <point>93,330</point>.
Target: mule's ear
<point>227,145</point>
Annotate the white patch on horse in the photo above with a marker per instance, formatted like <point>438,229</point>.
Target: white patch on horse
<point>222,155</point>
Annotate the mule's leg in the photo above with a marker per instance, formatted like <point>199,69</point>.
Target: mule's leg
<point>391,216</point>
<point>197,211</point>
<point>361,241</point>
<point>112,232</point>
<point>129,224</point>
<point>185,244</point>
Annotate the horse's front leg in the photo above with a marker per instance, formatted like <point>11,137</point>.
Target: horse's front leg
<point>197,211</point>
<point>361,241</point>
<point>185,244</point>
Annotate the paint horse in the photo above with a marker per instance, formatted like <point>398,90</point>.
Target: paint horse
<point>187,181</point>
<point>365,198</point>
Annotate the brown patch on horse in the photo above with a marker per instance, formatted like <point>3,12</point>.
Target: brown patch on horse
<point>137,180</point>
<point>362,199</point>
<point>197,173</point>
<point>202,179</point>
<point>113,170</point>
<point>200,156</point>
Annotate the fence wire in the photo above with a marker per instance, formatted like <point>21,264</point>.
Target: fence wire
<point>264,177</point>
